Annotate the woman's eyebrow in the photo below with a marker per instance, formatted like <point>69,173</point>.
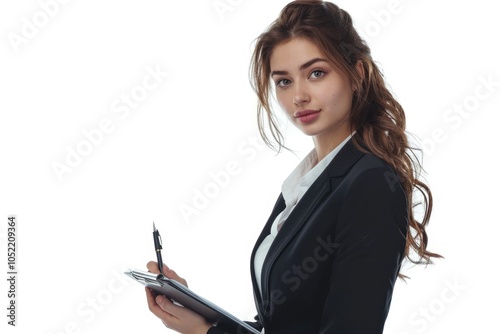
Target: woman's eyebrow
<point>303,66</point>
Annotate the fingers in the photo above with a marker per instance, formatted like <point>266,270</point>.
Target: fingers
<point>165,309</point>
<point>153,267</point>
<point>168,306</point>
<point>157,309</point>
<point>176,317</point>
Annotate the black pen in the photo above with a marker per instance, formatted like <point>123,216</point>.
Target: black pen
<point>157,239</point>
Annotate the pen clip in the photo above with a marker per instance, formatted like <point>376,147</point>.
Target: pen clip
<point>160,242</point>
<point>157,238</point>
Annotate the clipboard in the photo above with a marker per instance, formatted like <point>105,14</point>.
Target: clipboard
<point>183,296</point>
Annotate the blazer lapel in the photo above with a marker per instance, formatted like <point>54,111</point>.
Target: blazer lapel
<point>326,183</point>
<point>278,207</point>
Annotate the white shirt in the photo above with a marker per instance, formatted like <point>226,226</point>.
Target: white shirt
<point>293,188</point>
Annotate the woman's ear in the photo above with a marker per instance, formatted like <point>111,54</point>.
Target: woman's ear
<point>361,72</point>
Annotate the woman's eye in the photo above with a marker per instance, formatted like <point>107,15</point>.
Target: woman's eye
<point>282,82</point>
<point>317,73</point>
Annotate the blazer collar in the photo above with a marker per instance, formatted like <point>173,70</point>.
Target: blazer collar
<point>322,186</point>
<point>345,159</point>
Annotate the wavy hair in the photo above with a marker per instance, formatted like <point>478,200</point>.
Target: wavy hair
<point>379,120</point>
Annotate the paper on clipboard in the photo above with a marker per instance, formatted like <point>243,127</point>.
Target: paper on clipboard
<point>187,298</point>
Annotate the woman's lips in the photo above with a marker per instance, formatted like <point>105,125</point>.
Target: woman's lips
<point>306,116</point>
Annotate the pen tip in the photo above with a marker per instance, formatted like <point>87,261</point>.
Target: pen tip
<point>154,227</point>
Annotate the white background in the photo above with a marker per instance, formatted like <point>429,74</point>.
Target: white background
<point>96,221</point>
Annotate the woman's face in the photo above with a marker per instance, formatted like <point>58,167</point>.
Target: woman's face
<point>316,98</point>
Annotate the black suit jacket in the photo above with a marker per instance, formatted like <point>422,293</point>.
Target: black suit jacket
<point>333,265</point>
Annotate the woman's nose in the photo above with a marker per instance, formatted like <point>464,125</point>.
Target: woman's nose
<point>300,95</point>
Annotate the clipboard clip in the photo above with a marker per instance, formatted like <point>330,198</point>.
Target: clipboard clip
<point>146,278</point>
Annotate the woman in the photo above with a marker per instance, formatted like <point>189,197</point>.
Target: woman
<point>330,253</point>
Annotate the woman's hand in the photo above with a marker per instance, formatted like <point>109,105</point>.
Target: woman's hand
<point>173,316</point>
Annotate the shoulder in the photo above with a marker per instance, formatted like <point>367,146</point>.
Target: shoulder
<point>369,163</point>
<point>373,177</point>
<point>354,172</point>
<point>357,168</point>
<point>353,160</point>
<point>373,197</point>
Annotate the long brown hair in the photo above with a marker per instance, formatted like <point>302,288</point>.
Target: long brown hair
<point>379,120</point>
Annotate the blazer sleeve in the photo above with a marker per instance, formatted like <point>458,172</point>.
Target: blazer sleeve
<point>371,230</point>
<point>219,330</point>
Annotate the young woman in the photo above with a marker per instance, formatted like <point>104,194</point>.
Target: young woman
<point>330,253</point>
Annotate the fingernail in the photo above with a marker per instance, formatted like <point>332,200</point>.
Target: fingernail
<point>159,299</point>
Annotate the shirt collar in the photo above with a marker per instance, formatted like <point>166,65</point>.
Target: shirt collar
<point>308,170</point>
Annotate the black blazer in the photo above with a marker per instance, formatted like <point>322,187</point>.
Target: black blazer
<point>333,265</point>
